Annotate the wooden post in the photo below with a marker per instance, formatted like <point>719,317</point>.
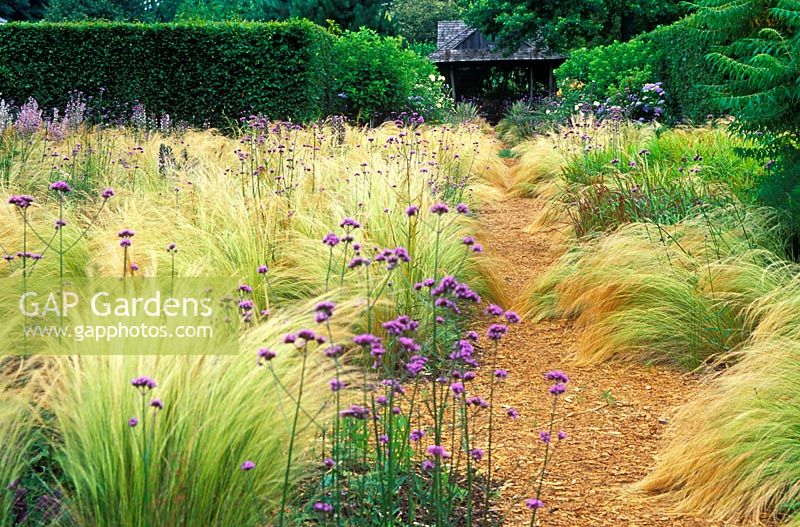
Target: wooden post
<point>530,81</point>
<point>453,80</point>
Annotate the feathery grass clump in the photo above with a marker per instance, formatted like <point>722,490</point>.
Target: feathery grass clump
<point>218,411</point>
<point>678,294</point>
<point>603,175</point>
<point>17,421</point>
<point>265,198</point>
<point>736,450</point>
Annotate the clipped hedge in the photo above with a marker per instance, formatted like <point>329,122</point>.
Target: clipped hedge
<point>196,72</point>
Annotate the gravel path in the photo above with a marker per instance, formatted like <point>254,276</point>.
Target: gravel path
<point>615,415</point>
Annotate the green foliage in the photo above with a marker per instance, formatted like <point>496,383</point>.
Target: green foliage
<point>609,69</point>
<point>346,14</point>
<point>565,25</point>
<point>194,72</point>
<point>757,59</point>
<point>416,20</point>
<point>375,75</point>
<point>680,62</point>
<point>518,124</point>
<point>22,10</point>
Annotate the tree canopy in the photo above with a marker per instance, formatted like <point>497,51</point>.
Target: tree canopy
<point>566,24</point>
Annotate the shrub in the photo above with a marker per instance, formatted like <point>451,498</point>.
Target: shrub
<point>374,76</point>
<point>607,70</point>
<point>194,71</point>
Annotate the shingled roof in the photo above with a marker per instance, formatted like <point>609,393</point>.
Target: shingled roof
<point>457,42</point>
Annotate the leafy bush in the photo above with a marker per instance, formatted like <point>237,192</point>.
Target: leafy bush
<point>193,71</point>
<point>607,70</point>
<point>374,76</point>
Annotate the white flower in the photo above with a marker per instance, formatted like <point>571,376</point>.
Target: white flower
<point>547,112</point>
<point>577,107</point>
<point>596,104</point>
<point>432,77</point>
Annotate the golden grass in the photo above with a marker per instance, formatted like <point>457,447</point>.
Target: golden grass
<point>734,454</point>
<point>680,294</point>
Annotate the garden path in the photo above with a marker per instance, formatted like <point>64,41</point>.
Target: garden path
<point>616,415</point>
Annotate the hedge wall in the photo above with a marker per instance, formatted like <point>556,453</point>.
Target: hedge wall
<point>192,71</point>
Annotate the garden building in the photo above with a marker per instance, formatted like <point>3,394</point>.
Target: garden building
<point>475,66</point>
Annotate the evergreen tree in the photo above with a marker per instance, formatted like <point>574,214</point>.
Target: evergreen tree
<point>22,10</point>
<point>757,52</point>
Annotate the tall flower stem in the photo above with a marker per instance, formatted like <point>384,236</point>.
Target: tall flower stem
<point>543,472</point>
<point>285,495</point>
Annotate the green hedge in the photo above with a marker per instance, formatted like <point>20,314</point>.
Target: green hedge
<point>196,72</point>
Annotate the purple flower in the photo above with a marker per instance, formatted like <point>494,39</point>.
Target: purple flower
<point>558,388</point>
<point>412,210</point>
<point>512,317</point>
<point>133,421</point>
<point>545,437</point>
<point>262,269</point>
<point>323,311</point>
<point>265,355</point>
<point>476,454</point>
<point>457,388</point>
<point>248,465</point>
<point>468,240</point>
<point>477,248</point>
<point>512,413</point>
<point>534,503</point>
<point>562,435</point>
<point>107,193</point>
<point>428,465</point>
<point>126,233</point>
<point>501,374</point>
<point>356,412</point>
<point>494,310</point>
<point>437,451</point>
<point>416,434</point>
<point>244,288</point>
<point>143,384</point>
<point>323,507</point>
<point>462,208</point>
<point>60,223</point>
<point>172,248</point>
<point>358,261</point>
<point>333,351</point>
<point>331,240</point>
<point>416,364</point>
<point>21,201</point>
<point>328,462</point>
<point>440,208</point>
<point>496,331</point>
<point>337,384</point>
<point>472,335</point>
<point>60,186</point>
<point>557,376</point>
<point>477,402</point>
<point>348,223</point>
<point>158,404</point>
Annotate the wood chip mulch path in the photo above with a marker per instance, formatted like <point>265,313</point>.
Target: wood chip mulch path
<point>616,415</point>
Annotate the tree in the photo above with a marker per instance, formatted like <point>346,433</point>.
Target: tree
<point>22,10</point>
<point>757,55</point>
<point>416,20</point>
<point>140,10</point>
<point>566,24</point>
<point>347,14</point>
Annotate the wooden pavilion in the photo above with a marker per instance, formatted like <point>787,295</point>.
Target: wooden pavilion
<point>471,62</point>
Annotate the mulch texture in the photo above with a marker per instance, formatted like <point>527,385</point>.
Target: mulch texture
<point>615,415</point>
